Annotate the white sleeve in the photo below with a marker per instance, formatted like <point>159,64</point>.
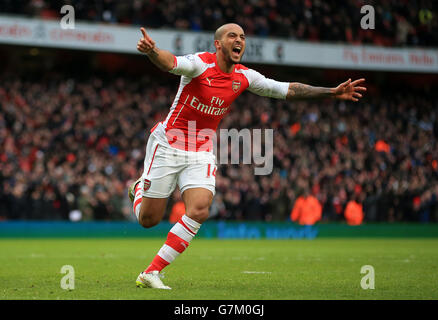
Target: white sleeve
<point>263,86</point>
<point>189,65</point>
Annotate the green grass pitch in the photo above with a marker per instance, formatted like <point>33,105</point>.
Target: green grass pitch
<point>221,269</point>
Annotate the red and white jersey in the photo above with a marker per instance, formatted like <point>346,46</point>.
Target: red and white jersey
<point>204,97</point>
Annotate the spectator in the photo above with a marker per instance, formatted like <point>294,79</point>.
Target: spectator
<point>354,213</point>
<point>307,210</point>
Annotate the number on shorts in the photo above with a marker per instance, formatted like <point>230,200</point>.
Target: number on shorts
<point>209,170</point>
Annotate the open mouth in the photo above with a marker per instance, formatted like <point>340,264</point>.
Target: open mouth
<point>237,50</point>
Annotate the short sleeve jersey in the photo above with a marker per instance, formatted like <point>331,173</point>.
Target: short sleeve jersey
<point>204,97</point>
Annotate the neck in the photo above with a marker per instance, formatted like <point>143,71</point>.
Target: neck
<point>225,66</point>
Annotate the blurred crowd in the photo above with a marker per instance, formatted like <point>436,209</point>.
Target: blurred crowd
<point>397,22</point>
<point>69,147</point>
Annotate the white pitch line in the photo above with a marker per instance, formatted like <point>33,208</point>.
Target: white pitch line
<point>257,272</point>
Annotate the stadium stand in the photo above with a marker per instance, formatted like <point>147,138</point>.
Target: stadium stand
<point>74,142</point>
<point>398,22</point>
<point>86,141</point>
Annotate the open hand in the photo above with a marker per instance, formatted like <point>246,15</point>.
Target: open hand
<point>349,90</point>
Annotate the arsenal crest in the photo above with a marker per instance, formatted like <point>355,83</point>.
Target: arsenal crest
<point>236,86</point>
<point>147,184</point>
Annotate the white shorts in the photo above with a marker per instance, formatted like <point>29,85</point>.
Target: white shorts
<point>165,167</point>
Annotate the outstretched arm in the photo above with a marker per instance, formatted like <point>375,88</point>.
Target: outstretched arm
<point>345,91</point>
<point>263,86</point>
<point>161,58</point>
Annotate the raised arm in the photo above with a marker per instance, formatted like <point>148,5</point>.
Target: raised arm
<point>345,91</point>
<point>161,58</point>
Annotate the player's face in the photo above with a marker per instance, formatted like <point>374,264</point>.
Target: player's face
<point>233,44</point>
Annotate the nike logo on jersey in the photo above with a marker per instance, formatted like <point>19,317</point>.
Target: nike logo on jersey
<point>209,81</point>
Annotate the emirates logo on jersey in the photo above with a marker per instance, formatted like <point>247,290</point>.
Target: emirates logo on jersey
<point>236,86</point>
<point>147,184</point>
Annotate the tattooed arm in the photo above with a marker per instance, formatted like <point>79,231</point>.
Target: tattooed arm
<point>303,91</point>
<point>345,91</point>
